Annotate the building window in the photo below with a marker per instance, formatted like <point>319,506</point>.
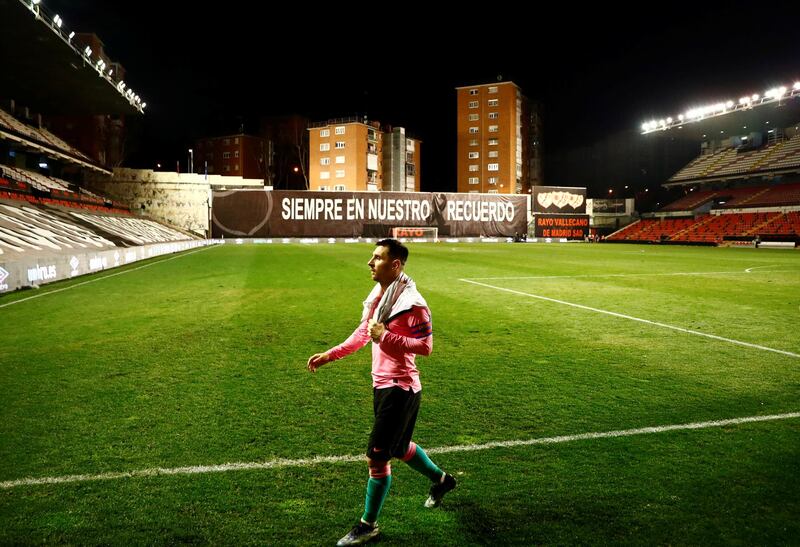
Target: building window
<point>323,188</point>
<point>339,130</point>
<point>324,132</point>
<point>227,168</point>
<point>235,153</point>
<point>474,117</point>
<point>226,142</point>
<point>492,89</point>
<point>340,188</point>
<point>324,147</point>
<point>473,130</point>
<point>474,180</point>
<point>494,128</point>
<point>474,167</point>
<point>494,102</point>
<point>493,167</point>
<point>339,144</point>
<point>493,115</point>
<point>492,191</point>
<point>474,155</point>
<point>324,161</point>
<point>340,173</point>
<point>236,140</point>
<point>235,166</point>
<point>325,175</point>
<point>473,104</point>
<point>226,155</point>
<point>493,153</point>
<point>494,142</point>
<point>339,159</point>
<point>473,142</point>
<point>492,180</point>
<point>473,91</point>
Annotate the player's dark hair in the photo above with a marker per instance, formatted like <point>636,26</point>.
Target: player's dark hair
<point>396,249</point>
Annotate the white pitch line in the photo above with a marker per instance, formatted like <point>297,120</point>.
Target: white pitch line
<point>632,318</point>
<point>309,462</point>
<point>628,274</point>
<point>748,270</point>
<point>104,277</point>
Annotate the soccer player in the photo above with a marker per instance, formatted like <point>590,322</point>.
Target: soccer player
<point>398,322</point>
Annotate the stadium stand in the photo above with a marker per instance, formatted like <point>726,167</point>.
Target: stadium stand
<point>744,186</point>
<point>52,226</point>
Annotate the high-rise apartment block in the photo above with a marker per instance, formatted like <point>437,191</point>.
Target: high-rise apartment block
<point>352,155</point>
<point>498,140</point>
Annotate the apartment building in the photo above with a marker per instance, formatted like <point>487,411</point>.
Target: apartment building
<point>232,155</point>
<point>498,139</point>
<point>349,154</point>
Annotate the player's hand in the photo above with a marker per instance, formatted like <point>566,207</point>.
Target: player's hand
<point>375,329</point>
<point>317,360</point>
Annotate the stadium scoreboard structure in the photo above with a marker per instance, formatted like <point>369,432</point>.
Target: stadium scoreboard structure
<point>560,212</point>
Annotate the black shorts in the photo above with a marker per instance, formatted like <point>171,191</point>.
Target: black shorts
<point>395,416</point>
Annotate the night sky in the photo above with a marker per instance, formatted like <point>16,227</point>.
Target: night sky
<point>597,71</point>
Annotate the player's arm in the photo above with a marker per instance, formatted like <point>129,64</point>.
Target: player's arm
<point>420,342</point>
<point>354,342</point>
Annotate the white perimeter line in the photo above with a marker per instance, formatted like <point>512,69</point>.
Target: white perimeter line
<point>104,277</point>
<point>631,275</point>
<point>623,316</point>
<point>308,462</point>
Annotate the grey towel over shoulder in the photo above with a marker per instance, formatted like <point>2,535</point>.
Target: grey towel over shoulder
<point>400,296</point>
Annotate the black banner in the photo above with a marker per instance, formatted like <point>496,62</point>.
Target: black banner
<point>559,199</point>
<point>259,213</point>
<point>562,226</point>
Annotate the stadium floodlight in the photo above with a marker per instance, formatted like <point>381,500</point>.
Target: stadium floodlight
<point>57,20</point>
<point>110,71</point>
<point>144,105</point>
<point>87,51</point>
<point>71,36</point>
<point>724,107</point>
<point>121,85</point>
<point>775,92</point>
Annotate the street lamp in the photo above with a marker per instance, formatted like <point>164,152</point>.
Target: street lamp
<point>191,160</point>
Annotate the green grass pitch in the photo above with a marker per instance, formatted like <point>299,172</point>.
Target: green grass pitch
<point>200,360</point>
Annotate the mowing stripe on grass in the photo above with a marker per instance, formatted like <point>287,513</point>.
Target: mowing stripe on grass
<point>104,277</point>
<point>747,271</point>
<point>308,462</point>
<point>632,318</point>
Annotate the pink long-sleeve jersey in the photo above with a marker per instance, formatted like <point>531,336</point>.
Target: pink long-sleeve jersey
<point>407,334</point>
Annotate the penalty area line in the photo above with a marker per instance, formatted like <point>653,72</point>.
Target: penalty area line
<point>309,462</point>
<point>632,318</point>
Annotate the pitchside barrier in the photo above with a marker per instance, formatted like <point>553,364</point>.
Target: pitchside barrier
<point>41,244</point>
<point>285,214</point>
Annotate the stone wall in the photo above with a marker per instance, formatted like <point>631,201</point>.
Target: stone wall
<point>178,199</point>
